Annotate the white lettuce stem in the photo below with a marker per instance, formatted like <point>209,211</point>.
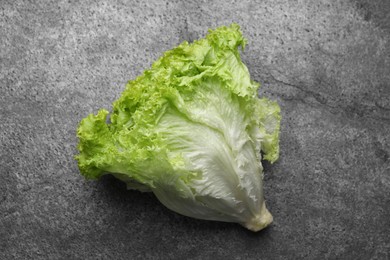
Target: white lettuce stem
<point>260,221</point>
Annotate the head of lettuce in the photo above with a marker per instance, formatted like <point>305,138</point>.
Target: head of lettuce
<point>191,130</point>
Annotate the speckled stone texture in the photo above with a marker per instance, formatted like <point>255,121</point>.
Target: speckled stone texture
<point>326,62</point>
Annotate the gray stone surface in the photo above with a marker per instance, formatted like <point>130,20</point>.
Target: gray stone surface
<point>326,62</point>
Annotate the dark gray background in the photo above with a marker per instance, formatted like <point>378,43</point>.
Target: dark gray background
<point>326,62</point>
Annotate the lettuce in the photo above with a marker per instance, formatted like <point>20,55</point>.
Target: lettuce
<point>191,130</point>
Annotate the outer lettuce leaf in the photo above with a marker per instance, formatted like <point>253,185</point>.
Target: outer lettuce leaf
<point>190,129</point>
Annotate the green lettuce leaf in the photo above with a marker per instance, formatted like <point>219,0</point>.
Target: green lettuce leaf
<point>191,130</point>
